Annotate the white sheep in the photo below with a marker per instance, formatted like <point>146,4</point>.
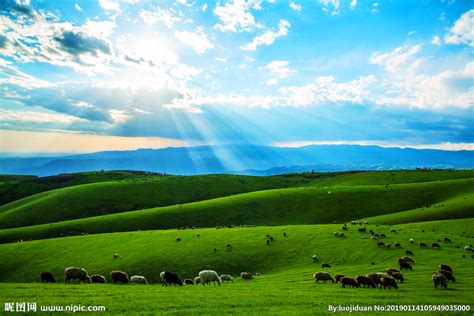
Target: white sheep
<point>208,276</point>
<point>138,279</point>
<point>226,277</point>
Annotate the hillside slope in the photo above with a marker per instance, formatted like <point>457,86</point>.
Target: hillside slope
<point>305,205</point>
<point>121,196</point>
<point>148,253</point>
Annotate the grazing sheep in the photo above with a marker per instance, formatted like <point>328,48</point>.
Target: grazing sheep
<point>362,230</point>
<point>338,277</point>
<point>365,281</point>
<point>47,277</point>
<point>257,274</point>
<point>197,235</point>
<point>388,245</point>
<point>423,245</point>
<point>227,278</point>
<point>344,227</point>
<point>170,278</point>
<point>246,276</point>
<point>188,281</point>
<point>325,265</point>
<point>75,273</point>
<point>284,234</point>
<point>228,246</point>
<point>389,282</point>
<point>392,270</point>
<point>138,279</point>
<point>409,252</point>
<point>97,278</point>
<point>374,237</point>
<point>449,276</point>
<point>446,239</point>
<point>412,241</point>
<point>381,244</point>
<point>197,280</point>
<point>178,239</point>
<point>405,266</point>
<point>366,222</point>
<point>115,255</point>
<point>435,245</point>
<point>376,277</point>
<point>208,276</point>
<point>382,235</point>
<point>268,242</point>
<point>397,245</point>
<point>349,281</point>
<point>315,258</point>
<point>398,276</point>
<point>342,235</point>
<point>119,276</point>
<point>271,238</point>
<point>408,259</point>
<point>336,234</point>
<point>322,276</point>
<point>445,267</point>
<point>439,280</point>
<point>393,231</point>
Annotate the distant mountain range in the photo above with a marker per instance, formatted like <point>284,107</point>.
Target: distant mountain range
<point>243,159</point>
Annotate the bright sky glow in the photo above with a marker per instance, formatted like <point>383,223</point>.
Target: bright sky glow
<point>82,76</point>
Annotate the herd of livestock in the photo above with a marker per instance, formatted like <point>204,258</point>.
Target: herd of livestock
<point>387,280</point>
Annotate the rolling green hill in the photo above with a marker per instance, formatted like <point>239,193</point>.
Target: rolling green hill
<point>304,205</point>
<point>148,253</point>
<point>120,196</point>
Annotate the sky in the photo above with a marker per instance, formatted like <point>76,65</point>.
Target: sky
<point>84,76</point>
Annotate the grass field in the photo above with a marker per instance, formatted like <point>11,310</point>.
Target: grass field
<point>301,205</point>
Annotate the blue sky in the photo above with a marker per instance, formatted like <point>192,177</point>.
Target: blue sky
<point>81,76</point>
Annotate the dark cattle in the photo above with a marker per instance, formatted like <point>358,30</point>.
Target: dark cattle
<point>397,276</point>
<point>188,281</point>
<point>439,280</point>
<point>449,276</point>
<point>389,282</point>
<point>119,276</point>
<point>445,267</point>
<point>365,281</point>
<point>338,277</point>
<point>349,281</point>
<point>47,277</point>
<point>170,278</point>
<point>326,265</point>
<point>446,239</point>
<point>97,278</point>
<point>409,252</point>
<point>435,245</point>
<point>405,265</point>
<point>423,245</point>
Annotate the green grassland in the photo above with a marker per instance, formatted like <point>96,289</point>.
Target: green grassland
<point>299,205</point>
<point>286,268</point>
<point>136,216</point>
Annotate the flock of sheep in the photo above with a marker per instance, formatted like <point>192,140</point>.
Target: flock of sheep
<point>388,279</point>
<point>168,278</point>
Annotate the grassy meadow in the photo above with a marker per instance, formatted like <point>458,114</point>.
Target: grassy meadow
<point>420,205</point>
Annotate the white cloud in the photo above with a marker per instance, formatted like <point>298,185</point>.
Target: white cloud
<point>327,3</point>
<point>100,28</point>
<point>196,39</point>
<point>353,4</point>
<point>400,57</point>
<point>159,15</point>
<point>279,70</point>
<point>462,31</point>
<point>294,6</point>
<point>109,5</point>
<point>436,40</point>
<point>268,37</point>
<point>235,16</point>
<point>77,7</point>
<point>204,7</point>
<point>326,89</point>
